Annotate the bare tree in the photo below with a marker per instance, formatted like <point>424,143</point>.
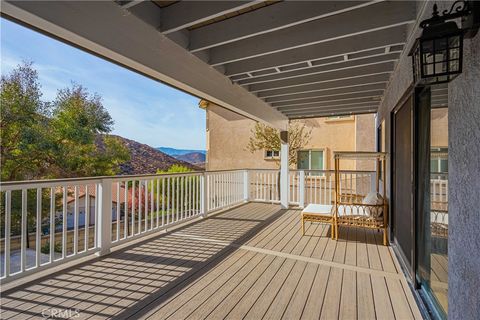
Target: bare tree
<point>267,138</point>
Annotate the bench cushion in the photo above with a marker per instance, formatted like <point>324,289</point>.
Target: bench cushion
<point>324,209</point>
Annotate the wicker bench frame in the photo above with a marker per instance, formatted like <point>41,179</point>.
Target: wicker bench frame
<point>319,218</point>
<point>354,200</point>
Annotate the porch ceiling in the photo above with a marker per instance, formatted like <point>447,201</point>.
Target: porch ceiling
<point>268,60</point>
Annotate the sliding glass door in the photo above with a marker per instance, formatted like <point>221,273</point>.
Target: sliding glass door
<point>432,196</point>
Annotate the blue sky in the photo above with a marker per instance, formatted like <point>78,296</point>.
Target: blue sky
<point>143,110</point>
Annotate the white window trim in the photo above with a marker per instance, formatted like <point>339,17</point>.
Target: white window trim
<point>324,158</point>
<point>273,157</point>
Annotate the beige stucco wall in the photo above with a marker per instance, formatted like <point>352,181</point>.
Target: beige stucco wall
<point>227,138</point>
<point>228,135</point>
<point>439,129</point>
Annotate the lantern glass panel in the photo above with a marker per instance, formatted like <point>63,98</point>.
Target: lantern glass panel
<point>440,44</point>
<point>440,67</point>
<point>454,41</point>
<point>454,53</point>
<point>454,66</point>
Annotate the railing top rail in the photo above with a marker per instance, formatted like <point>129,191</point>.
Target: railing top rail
<point>332,171</point>
<point>83,180</point>
<point>11,185</point>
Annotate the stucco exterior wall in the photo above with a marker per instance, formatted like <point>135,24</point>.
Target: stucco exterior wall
<point>464,187</point>
<point>228,135</point>
<point>227,138</point>
<point>439,127</point>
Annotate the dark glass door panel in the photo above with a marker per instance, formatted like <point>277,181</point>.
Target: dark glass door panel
<point>403,183</point>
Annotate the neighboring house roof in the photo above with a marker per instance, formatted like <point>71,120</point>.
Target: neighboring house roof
<point>92,193</point>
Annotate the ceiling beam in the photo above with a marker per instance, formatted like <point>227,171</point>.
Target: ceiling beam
<point>343,97</point>
<point>281,15</point>
<point>367,41</point>
<point>328,93</point>
<point>184,14</point>
<point>359,71</point>
<point>310,102</point>
<point>333,111</point>
<point>93,26</point>
<point>341,65</point>
<point>366,102</point>
<point>338,113</point>
<point>344,25</point>
<point>362,80</point>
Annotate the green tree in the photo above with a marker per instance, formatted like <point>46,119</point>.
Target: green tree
<point>65,138</point>
<point>25,146</point>
<point>80,126</point>
<point>267,138</point>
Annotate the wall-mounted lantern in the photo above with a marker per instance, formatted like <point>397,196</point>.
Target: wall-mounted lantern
<point>437,54</point>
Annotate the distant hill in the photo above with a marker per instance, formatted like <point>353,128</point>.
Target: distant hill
<point>192,157</point>
<point>178,152</point>
<point>147,160</point>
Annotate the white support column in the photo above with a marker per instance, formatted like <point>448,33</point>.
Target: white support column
<point>203,195</point>
<point>246,186</point>
<point>104,234</point>
<point>301,186</point>
<point>284,183</point>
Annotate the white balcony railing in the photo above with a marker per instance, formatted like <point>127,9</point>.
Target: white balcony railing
<point>49,222</point>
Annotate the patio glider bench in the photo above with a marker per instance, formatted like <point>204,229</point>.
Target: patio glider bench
<point>318,213</point>
<point>358,203</point>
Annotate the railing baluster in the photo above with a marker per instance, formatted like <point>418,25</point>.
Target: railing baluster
<point>182,197</point>
<point>163,202</point>
<point>140,200</point>
<point>38,240</point>
<point>133,207</point>
<point>125,209</point>
<point>118,211</point>
<point>158,203</point>
<point>152,214</point>
<point>189,202</point>
<point>145,207</point>
<point>168,200</point>
<point>75,221</point>
<point>8,222</point>
<point>87,219</point>
<point>52,224</point>
<point>145,210</point>
<point>23,246</point>
<point>64,223</point>
<point>177,205</point>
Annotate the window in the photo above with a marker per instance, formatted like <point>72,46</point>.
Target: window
<point>439,160</point>
<point>310,160</point>
<point>272,154</point>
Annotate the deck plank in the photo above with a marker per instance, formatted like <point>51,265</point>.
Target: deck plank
<point>284,296</point>
<point>296,305</point>
<point>351,248</point>
<point>269,293</point>
<point>400,305</point>
<point>366,306</point>
<point>331,304</point>
<point>348,303</point>
<point>313,306</point>
<point>247,301</point>
<point>383,306</point>
<point>362,252</point>
<point>229,302</point>
<point>216,296</point>
<point>247,262</point>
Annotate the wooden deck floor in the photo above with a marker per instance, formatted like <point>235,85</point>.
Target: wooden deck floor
<point>249,262</point>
